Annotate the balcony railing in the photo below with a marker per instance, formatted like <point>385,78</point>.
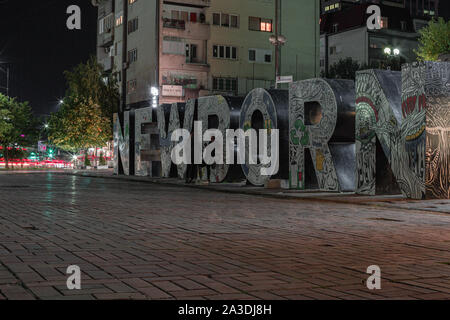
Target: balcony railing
<point>175,24</point>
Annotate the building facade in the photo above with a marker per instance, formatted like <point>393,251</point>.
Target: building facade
<point>344,34</point>
<point>184,49</point>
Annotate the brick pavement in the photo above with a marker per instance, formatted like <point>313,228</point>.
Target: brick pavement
<point>146,241</point>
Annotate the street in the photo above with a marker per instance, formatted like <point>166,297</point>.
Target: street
<point>135,240</point>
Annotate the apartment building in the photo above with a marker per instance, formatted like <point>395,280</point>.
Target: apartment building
<point>344,33</point>
<point>170,51</point>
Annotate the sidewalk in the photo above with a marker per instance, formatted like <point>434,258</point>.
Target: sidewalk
<point>388,201</point>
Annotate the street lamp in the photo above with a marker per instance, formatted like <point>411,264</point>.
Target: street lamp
<point>388,51</point>
<point>155,94</point>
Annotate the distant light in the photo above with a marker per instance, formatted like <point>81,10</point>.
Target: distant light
<point>46,126</point>
<point>387,51</point>
<point>61,101</point>
<point>396,52</point>
<point>154,91</point>
<point>75,157</point>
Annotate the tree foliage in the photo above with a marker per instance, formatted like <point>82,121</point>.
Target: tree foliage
<point>434,40</point>
<point>18,126</point>
<point>347,68</point>
<point>84,120</point>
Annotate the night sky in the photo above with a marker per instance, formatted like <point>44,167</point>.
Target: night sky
<point>35,41</point>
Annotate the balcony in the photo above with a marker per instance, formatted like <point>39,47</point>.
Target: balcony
<point>174,24</point>
<point>198,3</point>
<point>186,30</point>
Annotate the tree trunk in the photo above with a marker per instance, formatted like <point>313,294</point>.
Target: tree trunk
<point>5,156</point>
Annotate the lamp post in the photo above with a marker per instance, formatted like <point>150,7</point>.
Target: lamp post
<point>278,41</point>
<point>391,53</point>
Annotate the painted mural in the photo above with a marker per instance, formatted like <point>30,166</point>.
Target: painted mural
<point>331,98</point>
<point>426,113</point>
<point>405,117</point>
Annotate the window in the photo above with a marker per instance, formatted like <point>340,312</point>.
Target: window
<point>225,20</point>
<point>234,21</point>
<point>260,55</point>
<point>216,19</point>
<point>259,24</point>
<point>225,84</point>
<point>119,20</point>
<point>106,24</point>
<point>131,86</point>
<point>253,23</point>
<point>133,25</point>
<point>225,52</point>
<point>132,56</point>
<point>175,15</point>
<point>266,25</point>
<point>335,28</point>
<point>384,22</point>
<point>333,50</point>
<point>191,53</point>
<point>403,25</point>
<point>252,55</point>
<point>184,15</point>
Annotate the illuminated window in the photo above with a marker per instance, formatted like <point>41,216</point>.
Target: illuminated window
<point>327,8</point>
<point>131,1</point>
<point>266,25</point>
<point>384,22</point>
<point>259,24</point>
<point>119,21</point>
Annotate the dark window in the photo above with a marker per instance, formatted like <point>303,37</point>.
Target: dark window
<point>251,55</point>
<point>234,84</point>
<point>228,52</point>
<point>268,58</point>
<point>234,53</point>
<point>234,22</point>
<point>221,52</point>
<point>215,52</point>
<point>216,19</point>
<point>253,23</point>
<point>225,20</point>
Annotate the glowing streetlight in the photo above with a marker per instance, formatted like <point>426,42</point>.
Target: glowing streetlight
<point>396,52</point>
<point>155,94</point>
<point>387,51</point>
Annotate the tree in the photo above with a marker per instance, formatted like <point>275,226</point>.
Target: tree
<point>84,119</point>
<point>79,125</point>
<point>344,69</point>
<point>434,40</point>
<point>347,68</point>
<point>18,127</point>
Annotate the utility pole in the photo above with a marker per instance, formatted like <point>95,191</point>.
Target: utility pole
<point>277,51</point>
<point>278,41</point>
